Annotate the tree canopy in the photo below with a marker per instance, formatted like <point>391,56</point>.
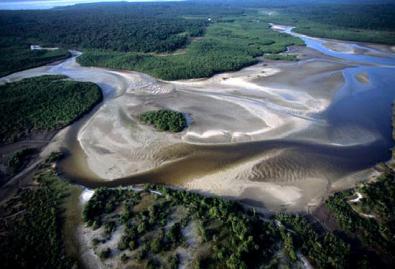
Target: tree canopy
<point>42,104</point>
<point>165,120</point>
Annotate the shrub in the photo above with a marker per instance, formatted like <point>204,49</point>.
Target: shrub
<point>165,120</point>
<point>105,254</point>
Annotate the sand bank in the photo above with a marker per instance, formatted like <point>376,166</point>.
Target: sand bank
<point>363,78</point>
<point>258,134</point>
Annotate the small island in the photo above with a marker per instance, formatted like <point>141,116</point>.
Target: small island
<point>165,120</point>
<point>43,104</point>
<point>32,111</point>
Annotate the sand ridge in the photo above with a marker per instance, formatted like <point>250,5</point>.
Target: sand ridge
<point>257,134</point>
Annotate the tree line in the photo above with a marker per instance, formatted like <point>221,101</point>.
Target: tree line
<point>43,104</point>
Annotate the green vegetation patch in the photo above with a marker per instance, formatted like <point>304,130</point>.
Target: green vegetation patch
<point>18,159</point>
<point>42,104</point>
<point>165,120</point>
<point>17,58</point>
<point>227,46</point>
<point>31,225</point>
<point>157,222</point>
<point>372,218</point>
<point>363,23</point>
<point>322,249</point>
<point>118,27</point>
<point>281,57</point>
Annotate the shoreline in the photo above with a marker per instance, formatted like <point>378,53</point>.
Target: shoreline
<point>229,112</point>
<point>218,96</point>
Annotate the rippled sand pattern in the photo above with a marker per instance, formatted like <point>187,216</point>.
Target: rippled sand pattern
<point>264,134</point>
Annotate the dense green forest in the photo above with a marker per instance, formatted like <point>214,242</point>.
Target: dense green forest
<point>19,57</point>
<point>131,35</point>
<point>118,27</point>
<point>165,120</point>
<point>372,218</point>
<point>322,249</point>
<point>42,104</point>
<point>31,225</point>
<point>365,23</point>
<point>137,27</point>
<point>227,45</point>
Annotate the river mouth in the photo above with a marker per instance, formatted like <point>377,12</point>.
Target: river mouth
<point>277,134</point>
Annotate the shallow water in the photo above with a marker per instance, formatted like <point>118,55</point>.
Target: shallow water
<point>358,133</point>
<point>366,107</point>
<point>352,134</point>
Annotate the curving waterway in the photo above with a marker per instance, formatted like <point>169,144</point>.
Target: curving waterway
<point>365,105</point>
<point>351,134</point>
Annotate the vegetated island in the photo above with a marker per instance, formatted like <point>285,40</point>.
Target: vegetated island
<point>43,104</point>
<point>32,110</point>
<point>165,120</point>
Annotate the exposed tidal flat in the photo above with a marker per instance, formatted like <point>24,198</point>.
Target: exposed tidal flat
<point>276,134</point>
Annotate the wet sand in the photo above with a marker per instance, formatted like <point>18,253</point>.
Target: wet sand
<point>260,134</point>
<point>228,108</point>
<point>215,154</point>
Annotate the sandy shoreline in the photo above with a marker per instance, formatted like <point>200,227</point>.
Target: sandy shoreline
<point>117,145</point>
<point>257,134</point>
<point>238,107</point>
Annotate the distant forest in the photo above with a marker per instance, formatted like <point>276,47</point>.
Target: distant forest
<point>181,40</point>
<point>118,26</point>
<point>121,27</point>
<point>364,23</point>
<point>372,17</point>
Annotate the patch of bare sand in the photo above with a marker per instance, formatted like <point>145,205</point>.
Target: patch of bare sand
<point>340,46</point>
<point>258,103</point>
<point>87,254</point>
<point>243,183</point>
<point>353,179</point>
<point>363,78</point>
<point>248,105</point>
